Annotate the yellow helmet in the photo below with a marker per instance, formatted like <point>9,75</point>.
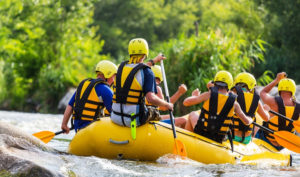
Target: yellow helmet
<point>138,46</point>
<point>157,72</point>
<point>107,68</point>
<point>225,77</point>
<point>287,85</point>
<point>247,79</point>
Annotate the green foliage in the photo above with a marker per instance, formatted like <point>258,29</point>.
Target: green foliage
<point>2,82</point>
<point>47,46</point>
<point>265,78</point>
<point>233,16</point>
<point>282,29</point>
<point>155,20</point>
<point>194,61</point>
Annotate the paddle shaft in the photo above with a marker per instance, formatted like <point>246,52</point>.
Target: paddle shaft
<point>168,97</point>
<point>264,128</point>
<point>280,115</point>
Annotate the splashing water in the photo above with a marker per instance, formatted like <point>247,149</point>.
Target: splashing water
<point>61,164</point>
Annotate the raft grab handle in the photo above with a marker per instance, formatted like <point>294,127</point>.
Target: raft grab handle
<point>118,142</point>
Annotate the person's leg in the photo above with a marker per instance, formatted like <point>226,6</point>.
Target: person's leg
<point>192,121</point>
<point>164,117</point>
<point>180,122</point>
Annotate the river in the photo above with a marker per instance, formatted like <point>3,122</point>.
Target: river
<point>70,165</point>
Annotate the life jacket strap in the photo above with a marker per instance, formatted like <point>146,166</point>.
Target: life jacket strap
<point>122,92</point>
<point>80,102</point>
<point>214,121</point>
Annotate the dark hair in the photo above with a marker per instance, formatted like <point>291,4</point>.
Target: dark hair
<point>221,85</point>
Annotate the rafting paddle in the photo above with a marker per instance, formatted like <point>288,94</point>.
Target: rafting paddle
<point>179,148</point>
<point>296,123</point>
<point>47,136</point>
<point>284,138</point>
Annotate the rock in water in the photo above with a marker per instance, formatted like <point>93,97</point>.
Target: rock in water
<point>20,153</point>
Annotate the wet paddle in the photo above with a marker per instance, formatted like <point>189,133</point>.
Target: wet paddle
<point>47,136</point>
<point>284,138</point>
<point>296,123</point>
<point>179,147</point>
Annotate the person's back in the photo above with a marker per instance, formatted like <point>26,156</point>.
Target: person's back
<point>133,83</point>
<point>285,104</point>
<point>91,97</point>
<point>87,106</point>
<point>250,103</point>
<point>216,114</point>
<point>128,100</point>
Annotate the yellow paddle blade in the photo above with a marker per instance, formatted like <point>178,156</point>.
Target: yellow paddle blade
<point>297,125</point>
<point>45,136</point>
<point>179,148</point>
<point>288,140</point>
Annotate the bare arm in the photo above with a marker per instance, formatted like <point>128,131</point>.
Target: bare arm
<point>67,115</point>
<point>155,100</point>
<point>158,58</point>
<point>161,96</point>
<point>196,98</point>
<point>263,112</point>
<point>159,92</point>
<point>245,119</point>
<point>264,94</point>
<point>181,90</point>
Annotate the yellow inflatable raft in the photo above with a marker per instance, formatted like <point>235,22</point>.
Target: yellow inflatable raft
<point>105,139</point>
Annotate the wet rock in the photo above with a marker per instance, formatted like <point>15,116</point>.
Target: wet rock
<point>18,133</point>
<point>20,167</point>
<point>20,151</point>
<point>11,151</point>
<point>65,100</point>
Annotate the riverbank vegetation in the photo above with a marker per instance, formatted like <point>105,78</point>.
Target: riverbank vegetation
<point>48,46</point>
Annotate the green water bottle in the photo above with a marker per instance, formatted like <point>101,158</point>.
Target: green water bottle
<point>133,127</point>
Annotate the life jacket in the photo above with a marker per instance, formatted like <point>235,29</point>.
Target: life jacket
<point>249,105</point>
<point>129,98</point>
<point>215,119</point>
<point>278,124</point>
<point>87,105</point>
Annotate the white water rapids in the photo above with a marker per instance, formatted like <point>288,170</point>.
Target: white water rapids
<point>69,165</point>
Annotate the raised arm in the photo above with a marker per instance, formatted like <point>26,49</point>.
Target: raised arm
<point>264,94</point>
<point>196,98</point>
<point>158,58</point>
<point>181,90</point>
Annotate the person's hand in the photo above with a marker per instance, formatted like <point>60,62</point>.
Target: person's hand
<point>210,84</point>
<point>280,76</point>
<point>196,92</point>
<point>266,107</point>
<point>170,106</point>
<point>182,89</point>
<point>65,128</point>
<point>250,121</point>
<point>158,58</point>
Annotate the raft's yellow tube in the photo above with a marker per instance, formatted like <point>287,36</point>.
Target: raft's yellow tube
<point>107,140</point>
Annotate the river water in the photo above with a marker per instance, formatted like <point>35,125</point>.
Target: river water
<point>70,165</point>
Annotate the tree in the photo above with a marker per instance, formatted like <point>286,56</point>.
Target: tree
<point>282,33</point>
<point>194,61</point>
<point>47,46</point>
